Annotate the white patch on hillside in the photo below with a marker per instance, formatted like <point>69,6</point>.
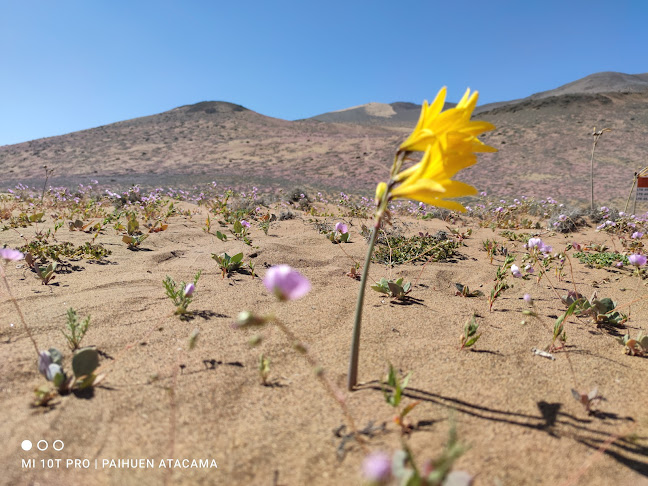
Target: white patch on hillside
<point>382,110</point>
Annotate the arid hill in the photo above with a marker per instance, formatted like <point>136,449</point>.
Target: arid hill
<point>544,144</point>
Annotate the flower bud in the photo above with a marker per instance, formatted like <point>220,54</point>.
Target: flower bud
<point>380,192</point>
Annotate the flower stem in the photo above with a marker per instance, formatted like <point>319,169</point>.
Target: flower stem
<point>15,303</point>
<point>355,343</point>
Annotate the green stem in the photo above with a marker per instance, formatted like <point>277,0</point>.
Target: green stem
<point>355,343</point>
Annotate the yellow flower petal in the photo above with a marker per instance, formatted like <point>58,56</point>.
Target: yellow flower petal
<point>380,192</point>
<point>449,142</point>
<point>434,125</point>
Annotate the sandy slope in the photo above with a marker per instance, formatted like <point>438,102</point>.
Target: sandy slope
<point>514,409</point>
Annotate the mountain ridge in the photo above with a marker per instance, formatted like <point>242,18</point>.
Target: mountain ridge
<point>544,147</point>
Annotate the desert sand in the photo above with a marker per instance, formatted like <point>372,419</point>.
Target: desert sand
<point>160,401</point>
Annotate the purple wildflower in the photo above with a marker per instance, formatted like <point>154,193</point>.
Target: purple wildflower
<point>637,234</point>
<point>11,255</point>
<point>377,467</point>
<point>286,283</point>
<point>189,290</point>
<point>44,360</point>
<point>245,224</point>
<point>637,260</point>
<point>341,228</point>
<point>515,270</point>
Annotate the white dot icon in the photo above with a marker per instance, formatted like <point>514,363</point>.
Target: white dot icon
<point>26,445</point>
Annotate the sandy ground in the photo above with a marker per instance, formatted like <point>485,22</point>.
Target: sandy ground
<point>512,408</point>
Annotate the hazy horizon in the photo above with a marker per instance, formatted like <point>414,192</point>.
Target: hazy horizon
<point>76,66</point>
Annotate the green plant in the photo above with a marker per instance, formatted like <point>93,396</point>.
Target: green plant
<point>85,362</point>
<point>393,388</point>
<point>602,311</point>
<point>436,472</point>
<point>207,227</point>
<point>601,259</point>
<point>513,236</point>
<point>75,329</point>
<point>44,272</point>
<point>265,222</point>
<point>634,347</point>
<point>240,231</point>
<point>134,237</point>
<point>394,249</point>
<point>500,281</point>
<point>470,336</point>
<point>58,252</point>
<point>264,369</point>
<point>464,291</point>
<point>228,264</point>
<point>181,294</point>
<point>394,288</point>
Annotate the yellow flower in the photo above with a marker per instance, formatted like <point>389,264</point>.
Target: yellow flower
<point>449,140</point>
<point>380,192</point>
<point>430,182</point>
<point>452,128</point>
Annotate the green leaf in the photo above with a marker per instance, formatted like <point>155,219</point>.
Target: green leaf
<point>56,355</point>
<point>86,382</point>
<point>238,227</point>
<point>58,380</point>
<point>406,381</point>
<point>472,341</point>
<point>643,340</point>
<point>221,236</point>
<point>238,258</point>
<point>133,226</point>
<point>395,289</point>
<point>409,408</point>
<point>603,306</point>
<point>85,361</point>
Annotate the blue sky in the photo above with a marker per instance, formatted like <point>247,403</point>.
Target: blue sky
<point>71,65</point>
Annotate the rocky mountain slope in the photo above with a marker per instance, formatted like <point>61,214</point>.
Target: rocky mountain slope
<point>544,144</point>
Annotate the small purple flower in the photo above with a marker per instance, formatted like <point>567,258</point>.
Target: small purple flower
<point>637,260</point>
<point>341,228</point>
<point>637,235</point>
<point>44,360</point>
<point>11,255</point>
<point>529,269</point>
<point>189,290</point>
<point>377,467</point>
<point>53,370</point>
<point>286,283</point>
<point>245,224</point>
<point>527,298</point>
<point>515,270</point>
